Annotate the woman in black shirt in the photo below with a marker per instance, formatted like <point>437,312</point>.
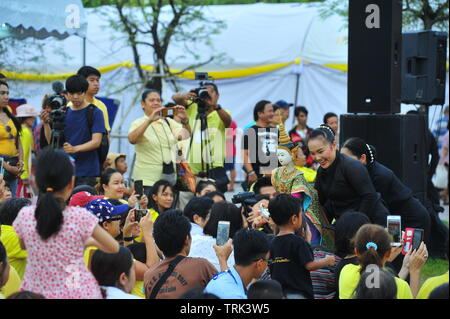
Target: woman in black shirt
<point>397,197</point>
<point>343,183</point>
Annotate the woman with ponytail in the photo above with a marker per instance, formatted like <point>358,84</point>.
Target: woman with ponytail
<point>10,145</point>
<point>373,249</point>
<point>397,197</point>
<point>343,184</point>
<point>55,235</point>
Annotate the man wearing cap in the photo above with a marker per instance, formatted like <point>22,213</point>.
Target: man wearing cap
<point>26,114</point>
<point>282,110</point>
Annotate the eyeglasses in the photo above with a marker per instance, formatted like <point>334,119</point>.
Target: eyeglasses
<point>4,92</point>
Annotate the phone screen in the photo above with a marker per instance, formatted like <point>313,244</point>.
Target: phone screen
<point>139,187</point>
<point>417,239</point>
<point>138,214</point>
<point>223,232</point>
<point>395,230</point>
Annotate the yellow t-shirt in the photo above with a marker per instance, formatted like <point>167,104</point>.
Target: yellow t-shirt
<point>217,137</point>
<point>102,107</point>
<point>13,283</point>
<point>138,286</point>
<point>310,174</point>
<point>26,138</point>
<point>8,139</point>
<point>430,284</point>
<point>349,279</point>
<point>17,257</point>
<point>157,144</point>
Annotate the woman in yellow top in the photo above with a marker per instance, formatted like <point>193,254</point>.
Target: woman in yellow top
<point>373,248</point>
<point>26,114</point>
<point>155,138</point>
<point>10,145</point>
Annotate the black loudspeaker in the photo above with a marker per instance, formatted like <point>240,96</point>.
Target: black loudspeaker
<point>374,72</point>
<point>424,56</point>
<point>400,142</point>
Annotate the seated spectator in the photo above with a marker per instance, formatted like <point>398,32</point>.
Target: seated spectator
<point>202,245</point>
<point>373,247</point>
<point>172,236</point>
<point>385,288</point>
<point>13,283</point>
<point>85,188</point>
<point>431,283</point>
<point>292,255</point>
<point>265,289</point>
<point>119,163</point>
<point>251,256</point>
<point>115,273</point>
<point>216,196</point>
<point>198,211</point>
<point>25,295</point>
<point>345,230</point>
<point>110,217</point>
<point>161,198</point>
<point>112,185</point>
<point>204,187</point>
<point>263,186</point>
<point>17,256</point>
<point>440,292</point>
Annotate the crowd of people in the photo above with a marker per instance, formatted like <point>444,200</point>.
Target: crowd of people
<point>310,225</point>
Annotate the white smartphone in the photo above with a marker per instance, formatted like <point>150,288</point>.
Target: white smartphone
<point>394,228</point>
<point>223,232</point>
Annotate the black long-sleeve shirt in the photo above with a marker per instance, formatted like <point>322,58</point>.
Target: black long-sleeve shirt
<point>392,190</point>
<point>346,186</point>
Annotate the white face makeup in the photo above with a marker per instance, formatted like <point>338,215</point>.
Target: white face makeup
<point>284,157</point>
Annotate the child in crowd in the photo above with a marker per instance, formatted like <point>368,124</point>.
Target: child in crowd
<point>373,247</point>
<point>26,114</point>
<point>115,273</point>
<point>118,162</point>
<point>265,289</point>
<point>54,236</point>
<point>292,256</point>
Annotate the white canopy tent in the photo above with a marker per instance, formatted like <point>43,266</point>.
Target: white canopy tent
<point>293,35</point>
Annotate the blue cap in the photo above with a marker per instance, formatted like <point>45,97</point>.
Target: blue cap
<point>104,210</point>
<point>283,104</point>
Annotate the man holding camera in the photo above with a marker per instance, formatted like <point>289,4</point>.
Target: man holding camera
<point>207,149</point>
<point>81,139</point>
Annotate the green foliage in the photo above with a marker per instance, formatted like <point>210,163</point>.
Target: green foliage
<point>98,3</point>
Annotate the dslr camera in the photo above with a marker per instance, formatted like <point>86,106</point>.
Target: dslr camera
<point>58,103</point>
<point>246,199</point>
<point>201,92</point>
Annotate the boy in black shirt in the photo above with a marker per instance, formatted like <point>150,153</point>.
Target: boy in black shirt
<point>292,256</point>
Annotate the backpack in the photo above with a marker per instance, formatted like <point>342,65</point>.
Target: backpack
<point>103,150</point>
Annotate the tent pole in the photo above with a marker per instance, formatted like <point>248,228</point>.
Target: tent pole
<point>84,51</point>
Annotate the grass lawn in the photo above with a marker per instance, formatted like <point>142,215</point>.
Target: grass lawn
<point>434,267</point>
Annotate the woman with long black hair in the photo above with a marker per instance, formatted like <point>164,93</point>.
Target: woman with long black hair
<point>343,184</point>
<point>10,145</point>
<point>397,197</point>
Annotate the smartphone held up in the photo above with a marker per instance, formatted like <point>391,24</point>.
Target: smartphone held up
<point>223,232</point>
<point>394,228</point>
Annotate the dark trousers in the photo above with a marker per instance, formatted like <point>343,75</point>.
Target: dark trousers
<point>86,180</point>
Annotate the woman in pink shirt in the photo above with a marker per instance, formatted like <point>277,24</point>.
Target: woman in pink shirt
<point>55,235</point>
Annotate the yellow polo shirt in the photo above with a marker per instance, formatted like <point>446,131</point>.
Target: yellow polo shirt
<point>217,137</point>
<point>17,256</point>
<point>27,140</point>
<point>349,279</point>
<point>430,284</point>
<point>156,145</point>
<point>310,174</point>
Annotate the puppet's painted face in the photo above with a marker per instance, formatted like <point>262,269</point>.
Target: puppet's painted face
<point>284,157</point>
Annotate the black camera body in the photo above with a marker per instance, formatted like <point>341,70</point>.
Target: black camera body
<point>58,104</point>
<point>246,198</point>
<point>56,101</point>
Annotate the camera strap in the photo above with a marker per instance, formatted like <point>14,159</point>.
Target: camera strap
<point>166,275</point>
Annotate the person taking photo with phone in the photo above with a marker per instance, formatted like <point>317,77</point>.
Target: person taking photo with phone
<point>155,138</point>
